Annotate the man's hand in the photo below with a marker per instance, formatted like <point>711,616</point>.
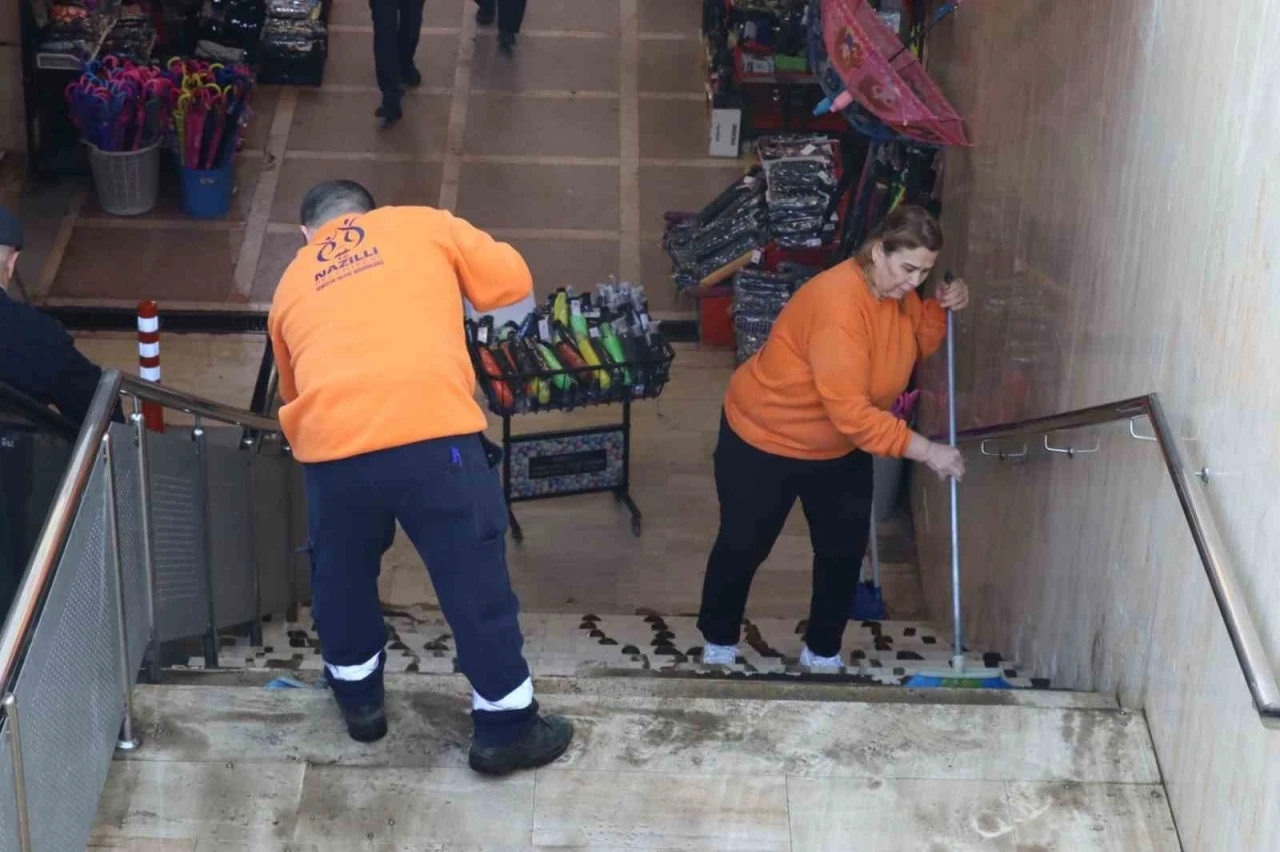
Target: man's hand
<point>953,295</point>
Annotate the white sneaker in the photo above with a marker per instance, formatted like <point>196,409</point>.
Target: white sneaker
<point>719,655</point>
<point>813,661</point>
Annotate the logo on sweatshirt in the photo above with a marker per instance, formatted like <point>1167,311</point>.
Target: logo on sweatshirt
<point>343,254</point>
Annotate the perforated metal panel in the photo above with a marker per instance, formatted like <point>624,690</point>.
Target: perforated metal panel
<point>69,693</point>
<point>271,528</point>
<point>8,810</point>
<point>128,481</point>
<point>231,524</point>
<point>182,606</point>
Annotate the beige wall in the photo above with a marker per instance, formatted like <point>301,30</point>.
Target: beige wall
<point>1117,219</point>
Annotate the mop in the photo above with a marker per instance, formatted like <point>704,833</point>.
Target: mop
<point>959,675</point>
<point>868,600</point>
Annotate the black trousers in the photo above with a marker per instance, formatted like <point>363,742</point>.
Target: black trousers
<point>397,24</point>
<point>757,491</point>
<point>510,13</point>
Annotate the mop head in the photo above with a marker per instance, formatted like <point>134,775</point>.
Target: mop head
<point>868,603</point>
<point>924,681</point>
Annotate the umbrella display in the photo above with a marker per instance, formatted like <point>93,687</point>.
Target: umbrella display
<point>877,82</point>
<point>118,105</point>
<point>210,106</point>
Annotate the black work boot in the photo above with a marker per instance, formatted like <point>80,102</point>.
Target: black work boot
<point>365,724</point>
<point>543,742</point>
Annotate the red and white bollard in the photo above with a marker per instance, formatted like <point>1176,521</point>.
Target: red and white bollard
<point>149,360</point>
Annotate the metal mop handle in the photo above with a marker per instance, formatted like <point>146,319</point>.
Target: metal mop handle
<point>957,641</point>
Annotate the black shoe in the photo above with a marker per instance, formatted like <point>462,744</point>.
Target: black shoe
<point>366,724</point>
<point>390,112</point>
<point>506,43</point>
<point>412,78</point>
<point>544,743</point>
<point>486,15</point>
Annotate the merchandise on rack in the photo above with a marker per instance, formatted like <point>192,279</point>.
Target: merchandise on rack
<point>75,29</point>
<point>231,27</point>
<point>118,105</point>
<point>758,298</point>
<point>769,36</point>
<point>133,36</point>
<point>295,43</point>
<point>800,176</point>
<point>572,351</point>
<point>723,235</point>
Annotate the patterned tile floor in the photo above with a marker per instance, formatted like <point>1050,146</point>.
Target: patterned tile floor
<point>559,645</point>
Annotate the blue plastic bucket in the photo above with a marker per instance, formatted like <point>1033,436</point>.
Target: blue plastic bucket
<point>206,193</point>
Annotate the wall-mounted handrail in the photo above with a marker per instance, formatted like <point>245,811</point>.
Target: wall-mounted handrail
<point>1250,652</point>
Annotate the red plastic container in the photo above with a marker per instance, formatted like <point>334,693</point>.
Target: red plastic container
<point>715,320</point>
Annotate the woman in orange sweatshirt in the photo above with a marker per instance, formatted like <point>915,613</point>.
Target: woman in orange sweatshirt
<point>803,418</point>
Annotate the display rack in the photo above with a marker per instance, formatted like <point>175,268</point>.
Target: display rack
<point>568,462</point>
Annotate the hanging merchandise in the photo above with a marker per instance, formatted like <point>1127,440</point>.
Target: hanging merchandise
<point>801,179</point>
<point>122,113</point>
<point>758,298</point>
<point>859,59</point>
<point>295,43</point>
<point>133,36</point>
<point>210,108</point>
<point>572,351</point>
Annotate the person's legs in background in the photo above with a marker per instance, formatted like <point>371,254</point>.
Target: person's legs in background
<point>350,529</point>
<point>386,58</point>
<point>452,508</point>
<point>509,15</point>
<point>510,19</point>
<point>836,497</point>
<point>756,491</point>
<point>410,30</point>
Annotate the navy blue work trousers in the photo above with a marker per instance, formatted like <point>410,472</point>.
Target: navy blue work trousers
<point>447,495</point>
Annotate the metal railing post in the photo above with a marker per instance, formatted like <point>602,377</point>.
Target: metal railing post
<point>202,495</point>
<point>128,740</point>
<point>19,775</point>
<point>152,657</point>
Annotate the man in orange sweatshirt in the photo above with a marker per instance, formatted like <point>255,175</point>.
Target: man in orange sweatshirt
<point>367,328</point>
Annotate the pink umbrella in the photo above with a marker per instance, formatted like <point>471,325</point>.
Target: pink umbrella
<point>884,77</point>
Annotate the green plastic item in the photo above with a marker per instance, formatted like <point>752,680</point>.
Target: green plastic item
<point>784,64</point>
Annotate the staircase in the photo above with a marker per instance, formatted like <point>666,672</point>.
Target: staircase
<point>669,754</point>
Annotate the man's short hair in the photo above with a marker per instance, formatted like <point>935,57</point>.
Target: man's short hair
<point>326,201</point>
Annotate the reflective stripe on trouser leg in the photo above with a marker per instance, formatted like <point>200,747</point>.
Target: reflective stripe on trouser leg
<point>363,670</point>
<point>517,699</point>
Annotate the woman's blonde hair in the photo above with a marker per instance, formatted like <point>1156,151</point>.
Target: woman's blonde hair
<point>906,227</point>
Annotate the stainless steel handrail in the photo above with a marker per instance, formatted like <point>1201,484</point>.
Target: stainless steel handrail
<point>1250,652</point>
<point>57,525</point>
<point>191,404</point>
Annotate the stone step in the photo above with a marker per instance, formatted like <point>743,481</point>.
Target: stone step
<point>656,765</point>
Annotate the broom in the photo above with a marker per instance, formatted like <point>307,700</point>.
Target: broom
<point>959,675</point>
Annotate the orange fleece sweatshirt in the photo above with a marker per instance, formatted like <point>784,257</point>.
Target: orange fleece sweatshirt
<point>835,362</point>
<point>367,328</point>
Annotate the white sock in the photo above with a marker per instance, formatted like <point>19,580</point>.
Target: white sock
<point>813,661</point>
<point>719,655</point>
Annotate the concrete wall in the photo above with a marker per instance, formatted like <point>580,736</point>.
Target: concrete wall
<point>1116,221</point>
